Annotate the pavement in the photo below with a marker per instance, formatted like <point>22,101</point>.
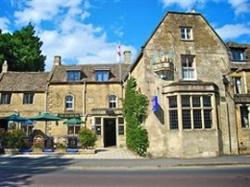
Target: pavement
<point>114,158</point>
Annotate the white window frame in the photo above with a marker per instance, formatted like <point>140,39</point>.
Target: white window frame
<point>69,102</point>
<point>191,71</point>
<point>112,101</point>
<point>186,33</point>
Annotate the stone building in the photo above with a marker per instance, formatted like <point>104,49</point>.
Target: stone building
<point>23,93</point>
<point>240,80</point>
<point>181,69</point>
<point>198,87</point>
<point>91,92</point>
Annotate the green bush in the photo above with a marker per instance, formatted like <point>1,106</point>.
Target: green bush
<point>87,138</point>
<point>60,146</point>
<point>134,108</point>
<point>14,139</point>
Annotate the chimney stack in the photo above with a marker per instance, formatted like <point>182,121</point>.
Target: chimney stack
<point>5,67</point>
<point>57,60</point>
<point>127,57</point>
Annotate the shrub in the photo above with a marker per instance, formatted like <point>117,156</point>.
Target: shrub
<point>134,108</point>
<point>14,139</point>
<point>60,146</point>
<point>87,138</point>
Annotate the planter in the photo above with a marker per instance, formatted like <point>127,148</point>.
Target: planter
<point>11,151</point>
<point>37,150</point>
<point>87,151</point>
<point>60,151</point>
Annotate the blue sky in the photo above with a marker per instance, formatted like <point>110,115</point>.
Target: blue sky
<point>88,31</point>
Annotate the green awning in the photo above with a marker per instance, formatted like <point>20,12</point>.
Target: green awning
<point>45,116</point>
<point>73,121</point>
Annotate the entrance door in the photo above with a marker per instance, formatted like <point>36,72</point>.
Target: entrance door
<point>109,132</point>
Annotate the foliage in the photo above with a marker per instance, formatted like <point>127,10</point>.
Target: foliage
<point>22,50</point>
<point>60,146</point>
<point>87,138</point>
<point>14,139</point>
<point>134,108</point>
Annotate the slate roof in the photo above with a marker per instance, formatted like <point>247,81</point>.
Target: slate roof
<point>59,74</point>
<point>23,81</point>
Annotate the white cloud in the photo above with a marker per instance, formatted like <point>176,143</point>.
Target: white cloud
<point>185,4</point>
<point>231,31</point>
<point>4,23</point>
<point>72,38</point>
<point>240,6</point>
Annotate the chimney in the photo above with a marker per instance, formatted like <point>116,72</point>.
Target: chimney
<point>57,60</point>
<point>127,57</point>
<point>5,67</point>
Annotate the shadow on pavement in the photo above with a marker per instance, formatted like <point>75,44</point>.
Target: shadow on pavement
<point>18,171</point>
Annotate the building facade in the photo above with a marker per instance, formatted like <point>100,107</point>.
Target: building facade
<point>183,66</point>
<point>198,87</point>
<point>240,79</point>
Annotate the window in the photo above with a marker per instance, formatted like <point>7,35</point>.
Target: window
<point>244,117</point>
<point>112,101</point>
<point>188,68</point>
<point>237,83</point>
<point>173,113</point>
<point>200,104</point>
<point>5,98</point>
<point>28,98</point>
<point>196,112</point>
<point>121,126</point>
<point>238,54</point>
<point>102,75</point>
<point>73,75</point>
<point>69,103</point>
<point>98,126</point>
<point>186,33</point>
<point>73,129</point>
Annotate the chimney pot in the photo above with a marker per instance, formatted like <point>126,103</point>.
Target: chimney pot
<point>57,60</point>
<point>127,57</point>
<point>5,67</point>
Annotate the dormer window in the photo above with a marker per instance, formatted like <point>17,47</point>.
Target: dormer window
<point>73,75</point>
<point>186,33</point>
<point>102,75</point>
<point>238,54</point>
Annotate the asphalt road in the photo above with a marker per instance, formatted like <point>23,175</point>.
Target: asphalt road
<point>63,176</point>
<point>56,171</point>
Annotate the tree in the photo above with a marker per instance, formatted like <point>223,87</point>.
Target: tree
<point>22,50</point>
<point>134,108</point>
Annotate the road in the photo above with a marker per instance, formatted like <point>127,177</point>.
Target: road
<point>51,171</point>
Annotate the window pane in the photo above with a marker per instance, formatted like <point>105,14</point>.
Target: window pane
<point>186,119</point>
<point>73,75</point>
<point>237,54</point>
<point>102,75</point>
<point>112,101</point>
<point>207,101</point>
<point>173,119</point>
<point>237,81</point>
<point>70,129</point>
<point>28,98</point>
<point>172,102</point>
<point>98,121</point>
<point>197,119</point>
<point>208,119</point>
<point>185,101</point>
<point>196,101</point>
<point>121,130</point>
<point>77,129</point>
<point>244,117</point>
<point>98,130</point>
<point>5,98</point>
<point>120,120</point>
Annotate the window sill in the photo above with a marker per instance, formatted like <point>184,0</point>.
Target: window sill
<point>187,40</point>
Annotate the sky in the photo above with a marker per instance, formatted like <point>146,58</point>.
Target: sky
<point>89,31</point>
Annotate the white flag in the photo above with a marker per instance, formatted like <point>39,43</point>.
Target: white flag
<point>118,50</point>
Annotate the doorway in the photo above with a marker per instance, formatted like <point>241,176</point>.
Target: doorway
<point>109,132</point>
